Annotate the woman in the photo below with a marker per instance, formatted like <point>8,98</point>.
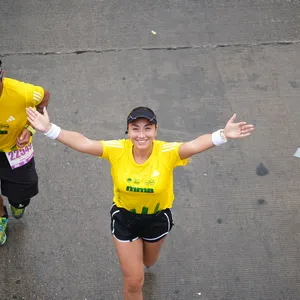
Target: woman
<point>142,172</point>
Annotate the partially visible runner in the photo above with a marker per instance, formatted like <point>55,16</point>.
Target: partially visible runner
<point>19,180</point>
<point>142,173</point>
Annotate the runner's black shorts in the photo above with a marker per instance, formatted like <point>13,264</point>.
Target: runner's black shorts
<point>20,184</point>
<point>127,226</point>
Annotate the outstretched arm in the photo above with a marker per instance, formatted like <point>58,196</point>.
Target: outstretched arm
<point>71,139</point>
<point>204,142</point>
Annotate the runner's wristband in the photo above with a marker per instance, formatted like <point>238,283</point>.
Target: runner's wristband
<point>218,137</point>
<point>53,132</point>
<point>31,129</point>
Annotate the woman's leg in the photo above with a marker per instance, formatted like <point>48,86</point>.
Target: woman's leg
<point>161,226</point>
<point>130,255</point>
<point>151,252</point>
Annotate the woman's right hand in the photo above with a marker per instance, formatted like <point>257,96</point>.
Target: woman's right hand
<point>37,120</point>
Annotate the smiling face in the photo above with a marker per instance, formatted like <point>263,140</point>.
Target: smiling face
<point>142,133</point>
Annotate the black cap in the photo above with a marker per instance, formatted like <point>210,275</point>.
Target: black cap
<point>142,112</point>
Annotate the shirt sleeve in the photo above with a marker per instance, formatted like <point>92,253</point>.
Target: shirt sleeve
<point>112,149</point>
<point>172,151</point>
<point>34,95</point>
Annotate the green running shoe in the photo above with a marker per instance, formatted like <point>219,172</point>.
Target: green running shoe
<point>3,224</point>
<point>17,212</point>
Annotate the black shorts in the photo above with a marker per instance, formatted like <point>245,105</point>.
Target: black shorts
<point>127,226</point>
<point>20,184</point>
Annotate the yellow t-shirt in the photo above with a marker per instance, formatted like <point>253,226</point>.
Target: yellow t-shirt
<point>143,188</point>
<point>15,97</point>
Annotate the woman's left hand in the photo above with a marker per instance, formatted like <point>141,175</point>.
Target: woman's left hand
<point>234,130</point>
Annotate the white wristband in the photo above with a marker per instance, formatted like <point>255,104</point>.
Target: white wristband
<point>53,132</point>
<point>218,137</point>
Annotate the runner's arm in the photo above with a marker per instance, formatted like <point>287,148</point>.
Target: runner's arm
<point>232,130</point>
<point>200,144</point>
<point>80,143</point>
<point>71,139</point>
<point>44,102</point>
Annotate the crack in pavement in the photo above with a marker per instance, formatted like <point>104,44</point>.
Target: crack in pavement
<point>274,43</point>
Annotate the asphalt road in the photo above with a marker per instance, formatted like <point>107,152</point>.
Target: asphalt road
<point>237,233</point>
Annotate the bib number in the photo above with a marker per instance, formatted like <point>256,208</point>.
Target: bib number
<point>20,157</point>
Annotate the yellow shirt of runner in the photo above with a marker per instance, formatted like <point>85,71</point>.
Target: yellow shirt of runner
<point>143,188</point>
<point>15,97</point>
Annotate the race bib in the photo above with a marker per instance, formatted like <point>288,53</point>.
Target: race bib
<point>20,157</point>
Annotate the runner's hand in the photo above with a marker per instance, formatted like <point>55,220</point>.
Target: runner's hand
<point>234,130</point>
<point>37,120</point>
<point>23,139</point>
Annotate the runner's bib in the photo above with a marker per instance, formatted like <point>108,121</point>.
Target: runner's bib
<point>20,157</point>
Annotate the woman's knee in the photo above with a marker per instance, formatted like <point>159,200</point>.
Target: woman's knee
<point>150,261</point>
<point>134,283</point>
<point>151,252</point>
<point>148,265</point>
